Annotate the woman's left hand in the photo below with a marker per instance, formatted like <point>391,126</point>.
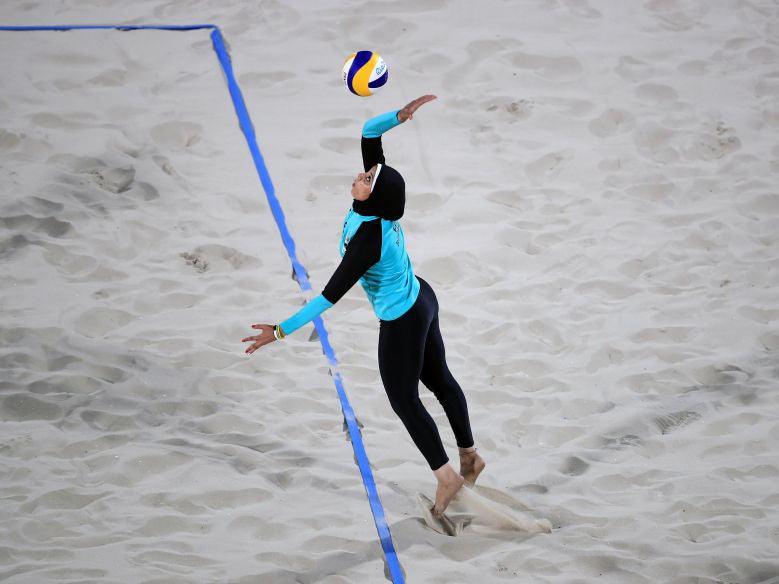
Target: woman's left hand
<point>407,112</point>
<point>266,336</point>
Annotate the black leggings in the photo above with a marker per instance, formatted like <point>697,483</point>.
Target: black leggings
<point>411,350</point>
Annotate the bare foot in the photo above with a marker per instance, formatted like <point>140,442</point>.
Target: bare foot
<point>449,482</point>
<point>471,465</point>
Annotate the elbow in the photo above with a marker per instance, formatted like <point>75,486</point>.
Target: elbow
<point>330,296</point>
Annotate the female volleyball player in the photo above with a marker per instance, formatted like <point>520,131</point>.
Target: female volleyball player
<point>410,345</point>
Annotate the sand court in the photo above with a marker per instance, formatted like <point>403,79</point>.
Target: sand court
<point>593,197</point>
<point>118,209</point>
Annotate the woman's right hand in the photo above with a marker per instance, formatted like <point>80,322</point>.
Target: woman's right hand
<point>407,113</point>
<point>266,336</point>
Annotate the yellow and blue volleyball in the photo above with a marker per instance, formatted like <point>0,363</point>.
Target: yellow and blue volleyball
<point>365,72</point>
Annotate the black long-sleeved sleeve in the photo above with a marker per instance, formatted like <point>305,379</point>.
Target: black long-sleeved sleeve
<point>372,152</point>
<point>362,251</point>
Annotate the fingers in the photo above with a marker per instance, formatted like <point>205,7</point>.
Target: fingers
<point>258,342</point>
<point>266,336</point>
<point>422,100</point>
<point>411,107</point>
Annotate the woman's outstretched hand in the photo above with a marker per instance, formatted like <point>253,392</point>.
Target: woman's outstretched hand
<point>266,336</point>
<point>407,113</point>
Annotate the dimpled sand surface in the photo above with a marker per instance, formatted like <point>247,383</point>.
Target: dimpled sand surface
<point>593,197</point>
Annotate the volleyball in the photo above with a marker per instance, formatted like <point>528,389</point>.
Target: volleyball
<point>364,73</point>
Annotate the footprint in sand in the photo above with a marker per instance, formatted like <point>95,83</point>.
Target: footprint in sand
<point>632,69</point>
<point>480,63</point>
<point>482,135</point>
<point>694,68</point>
<point>574,466</point>
<point>767,86</point>
<point>656,93</point>
<point>606,290</point>
<point>671,422</point>
<point>108,422</point>
<point>713,146</point>
<point>387,30</point>
<point>28,224</point>
<point>604,357</point>
<point>623,441</point>
<point>678,21</point>
<point>547,333</point>
<point>72,121</point>
<point>177,135</point>
<point>199,264</point>
<point>110,78</point>
<point>760,315</point>
<point>553,68</point>
<point>67,262</point>
<point>219,258</point>
<point>511,198</point>
<point>20,407</point>
<point>423,202</point>
<point>75,163</point>
<point>97,322</point>
<point>721,375</point>
<point>548,166</point>
<point>653,141</point>
<point>9,247</point>
<point>443,270</point>
<point>763,56</point>
<point>735,46</point>
<point>677,15</point>
<point>69,59</point>
<point>165,165</point>
<point>8,140</point>
<point>759,207</point>
<point>481,511</point>
<point>427,62</point>
<point>265,80</point>
<point>341,145</point>
<point>612,122</point>
<point>582,8</point>
<point>339,123</point>
<point>568,107</point>
<point>770,341</point>
<point>331,183</point>
<point>114,180</point>
<point>509,109</point>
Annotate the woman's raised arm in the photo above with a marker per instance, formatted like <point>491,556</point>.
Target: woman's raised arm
<point>372,151</point>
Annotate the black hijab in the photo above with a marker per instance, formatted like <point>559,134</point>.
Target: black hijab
<point>388,197</point>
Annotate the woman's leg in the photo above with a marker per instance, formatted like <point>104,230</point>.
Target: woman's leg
<point>401,354</point>
<point>438,379</point>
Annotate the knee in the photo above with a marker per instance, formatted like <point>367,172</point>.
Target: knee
<point>440,382</point>
<point>404,406</point>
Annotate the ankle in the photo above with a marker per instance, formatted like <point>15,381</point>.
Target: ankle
<point>445,473</point>
<point>467,451</point>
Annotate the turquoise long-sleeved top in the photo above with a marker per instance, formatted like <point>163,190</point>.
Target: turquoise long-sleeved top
<point>372,248</point>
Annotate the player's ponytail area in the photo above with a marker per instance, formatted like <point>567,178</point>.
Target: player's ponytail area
<point>136,243</point>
